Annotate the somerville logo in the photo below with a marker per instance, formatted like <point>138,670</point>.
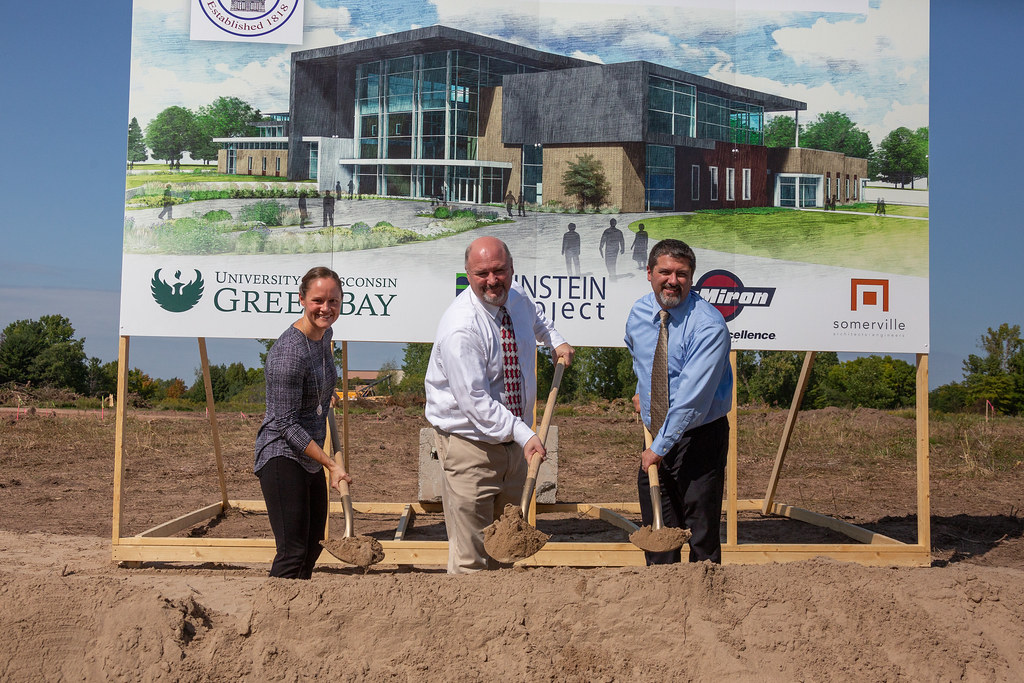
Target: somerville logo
<point>870,296</point>
<point>724,291</point>
<point>178,297</point>
<point>268,21</point>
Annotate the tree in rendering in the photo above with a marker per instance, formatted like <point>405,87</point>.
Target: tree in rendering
<point>780,131</point>
<point>586,181</point>
<point>902,156</point>
<point>136,143</point>
<point>173,132</point>
<point>833,131</point>
<point>225,117</point>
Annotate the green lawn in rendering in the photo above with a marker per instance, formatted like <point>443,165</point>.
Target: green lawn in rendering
<point>888,244</point>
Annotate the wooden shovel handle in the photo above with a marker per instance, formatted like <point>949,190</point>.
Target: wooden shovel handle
<point>338,454</point>
<point>549,409</point>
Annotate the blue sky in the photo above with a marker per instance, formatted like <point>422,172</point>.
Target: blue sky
<point>66,112</point>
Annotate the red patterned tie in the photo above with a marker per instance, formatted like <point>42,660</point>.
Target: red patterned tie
<point>510,361</point>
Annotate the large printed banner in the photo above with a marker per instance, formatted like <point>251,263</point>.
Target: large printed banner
<point>390,139</point>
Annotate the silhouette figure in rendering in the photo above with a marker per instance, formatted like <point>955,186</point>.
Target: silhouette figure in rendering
<point>612,244</point>
<point>571,250</point>
<point>640,247</point>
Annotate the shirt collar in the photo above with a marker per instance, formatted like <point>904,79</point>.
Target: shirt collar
<point>676,313</point>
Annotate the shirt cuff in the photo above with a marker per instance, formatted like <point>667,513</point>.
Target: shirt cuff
<point>522,433</point>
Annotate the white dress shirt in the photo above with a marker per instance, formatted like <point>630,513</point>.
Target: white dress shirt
<point>465,381</point>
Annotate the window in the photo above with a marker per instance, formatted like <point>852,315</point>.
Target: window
<point>828,185</point>
<point>730,184</point>
<point>746,184</point>
<point>250,165</point>
<point>670,107</point>
<point>847,188</point>
<point>264,166</point>
<point>660,180</point>
<point>277,169</point>
<point>695,182</point>
<point>855,186</point>
<point>714,183</point>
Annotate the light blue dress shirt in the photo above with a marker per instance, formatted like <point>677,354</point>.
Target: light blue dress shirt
<point>699,374</point>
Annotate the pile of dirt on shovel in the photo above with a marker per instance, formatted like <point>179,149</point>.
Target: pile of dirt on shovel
<point>361,551</point>
<point>664,539</point>
<point>510,538</point>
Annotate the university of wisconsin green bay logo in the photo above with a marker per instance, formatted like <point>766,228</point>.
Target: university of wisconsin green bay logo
<point>178,297</point>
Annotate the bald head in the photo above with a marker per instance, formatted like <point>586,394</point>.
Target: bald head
<point>489,268</point>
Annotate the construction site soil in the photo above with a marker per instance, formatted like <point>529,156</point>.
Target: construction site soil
<point>70,613</point>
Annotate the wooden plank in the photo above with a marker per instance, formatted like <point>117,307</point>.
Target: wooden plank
<point>924,535</point>
<point>211,410</point>
<point>610,516</point>
<point>632,507</point>
<point>732,463</point>
<point>853,531</point>
<point>119,425</point>
<point>787,431</point>
<point>873,556</point>
<point>405,523</point>
<point>185,521</point>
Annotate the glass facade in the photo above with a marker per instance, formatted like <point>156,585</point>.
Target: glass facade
<point>426,106</point>
<point>660,177</point>
<point>533,173</point>
<point>719,118</point>
<point>799,191</point>
<point>671,107</point>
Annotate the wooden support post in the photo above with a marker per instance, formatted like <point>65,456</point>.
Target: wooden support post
<point>787,431</point>
<point>732,465</point>
<point>120,419</point>
<point>211,410</point>
<point>924,536</point>
<point>344,405</point>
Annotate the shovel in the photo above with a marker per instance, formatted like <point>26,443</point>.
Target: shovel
<point>361,551</point>
<point>509,538</point>
<point>657,538</point>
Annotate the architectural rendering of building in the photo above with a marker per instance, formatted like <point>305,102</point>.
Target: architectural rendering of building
<point>440,112</point>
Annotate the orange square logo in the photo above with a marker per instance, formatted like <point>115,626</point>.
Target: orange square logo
<point>864,293</point>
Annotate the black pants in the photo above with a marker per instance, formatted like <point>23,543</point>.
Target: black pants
<point>692,478</point>
<point>297,507</point>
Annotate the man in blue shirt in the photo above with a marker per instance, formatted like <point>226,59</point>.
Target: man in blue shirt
<point>692,440</point>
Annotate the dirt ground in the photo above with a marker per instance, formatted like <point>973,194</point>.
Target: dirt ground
<point>69,613</point>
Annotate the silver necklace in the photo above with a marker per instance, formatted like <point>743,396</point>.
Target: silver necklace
<point>316,380</point>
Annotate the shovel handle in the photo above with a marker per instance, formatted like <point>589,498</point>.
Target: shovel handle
<point>654,484</point>
<point>346,496</point>
<point>531,475</point>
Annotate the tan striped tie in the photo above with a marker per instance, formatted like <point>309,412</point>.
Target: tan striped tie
<point>659,377</point>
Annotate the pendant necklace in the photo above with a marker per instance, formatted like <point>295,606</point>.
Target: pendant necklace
<point>316,380</point>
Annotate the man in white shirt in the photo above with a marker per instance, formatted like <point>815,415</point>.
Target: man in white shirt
<point>481,386</point>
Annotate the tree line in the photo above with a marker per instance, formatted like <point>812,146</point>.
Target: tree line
<point>762,377</point>
<point>901,157</point>
<point>177,130</point>
<point>45,353</point>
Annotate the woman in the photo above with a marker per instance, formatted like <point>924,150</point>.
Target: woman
<point>300,377</point>
<point>640,247</point>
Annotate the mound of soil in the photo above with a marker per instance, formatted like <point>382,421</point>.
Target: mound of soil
<point>664,539</point>
<point>510,539</point>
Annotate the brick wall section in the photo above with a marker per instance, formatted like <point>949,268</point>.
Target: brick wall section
<point>490,147</point>
<point>823,163</point>
<point>623,168</point>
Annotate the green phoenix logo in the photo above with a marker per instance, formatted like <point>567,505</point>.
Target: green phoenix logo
<point>178,297</point>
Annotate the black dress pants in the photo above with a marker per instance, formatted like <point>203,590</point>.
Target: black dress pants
<point>297,508</point>
<point>692,478</point>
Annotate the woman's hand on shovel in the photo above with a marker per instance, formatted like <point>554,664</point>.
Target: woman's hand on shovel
<point>338,475</point>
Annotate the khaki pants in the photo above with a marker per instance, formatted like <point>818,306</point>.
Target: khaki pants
<point>479,480</point>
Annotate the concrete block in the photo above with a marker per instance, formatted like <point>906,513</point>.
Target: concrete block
<point>431,483</point>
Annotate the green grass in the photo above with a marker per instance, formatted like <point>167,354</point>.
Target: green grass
<point>890,209</point>
<point>891,245</point>
<point>210,176</point>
